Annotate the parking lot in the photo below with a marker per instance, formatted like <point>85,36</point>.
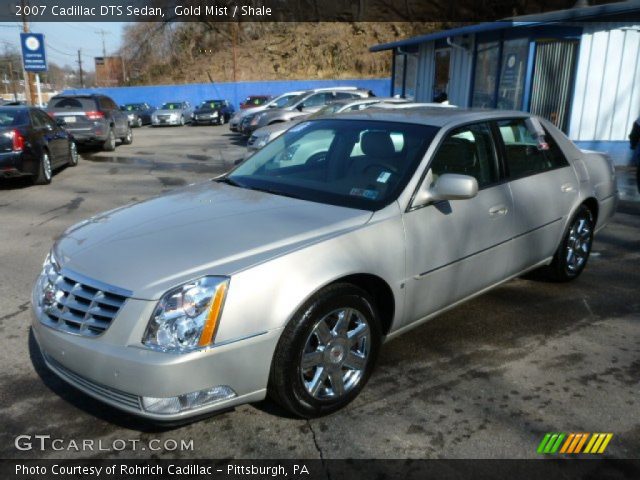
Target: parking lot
<point>486,380</point>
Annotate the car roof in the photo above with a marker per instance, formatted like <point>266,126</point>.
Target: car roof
<point>434,116</point>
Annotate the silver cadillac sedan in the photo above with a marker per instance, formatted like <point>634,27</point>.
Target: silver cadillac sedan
<point>285,276</point>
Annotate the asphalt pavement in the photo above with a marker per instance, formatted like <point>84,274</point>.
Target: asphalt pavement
<point>485,380</point>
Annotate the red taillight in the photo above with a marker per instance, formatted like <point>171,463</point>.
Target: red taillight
<point>18,141</point>
<point>94,115</point>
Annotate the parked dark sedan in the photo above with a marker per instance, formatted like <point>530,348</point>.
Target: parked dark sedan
<point>212,112</point>
<point>31,143</point>
<point>139,114</point>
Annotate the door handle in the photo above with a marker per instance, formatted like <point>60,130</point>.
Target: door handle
<point>567,188</point>
<point>498,210</point>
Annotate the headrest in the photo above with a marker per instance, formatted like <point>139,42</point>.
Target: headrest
<point>377,144</point>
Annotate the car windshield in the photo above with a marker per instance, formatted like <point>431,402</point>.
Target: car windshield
<point>211,104</point>
<point>131,107</point>
<point>282,100</point>
<point>171,106</point>
<point>361,164</point>
<point>295,100</point>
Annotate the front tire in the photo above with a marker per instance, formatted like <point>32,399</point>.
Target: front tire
<point>45,172</point>
<point>326,353</point>
<point>574,250</point>
<point>182,120</point>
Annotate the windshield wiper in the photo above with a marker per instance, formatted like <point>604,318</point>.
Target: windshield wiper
<point>274,192</point>
<point>230,181</point>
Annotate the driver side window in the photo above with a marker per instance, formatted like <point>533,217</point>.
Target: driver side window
<point>468,150</point>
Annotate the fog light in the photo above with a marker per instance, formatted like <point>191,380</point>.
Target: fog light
<point>188,401</point>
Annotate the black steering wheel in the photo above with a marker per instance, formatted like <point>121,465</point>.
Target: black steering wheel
<point>382,166</point>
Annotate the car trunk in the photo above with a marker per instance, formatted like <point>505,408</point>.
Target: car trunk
<point>77,113</point>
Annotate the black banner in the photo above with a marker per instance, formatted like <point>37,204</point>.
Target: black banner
<point>273,10</point>
<point>601,469</point>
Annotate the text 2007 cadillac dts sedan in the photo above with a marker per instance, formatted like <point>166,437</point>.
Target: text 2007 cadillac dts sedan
<point>284,276</point>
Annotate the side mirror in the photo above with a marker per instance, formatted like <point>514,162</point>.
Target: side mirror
<point>300,107</point>
<point>448,186</point>
<point>271,106</point>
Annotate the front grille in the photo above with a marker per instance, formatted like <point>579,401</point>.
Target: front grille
<point>81,309</point>
<point>164,117</point>
<point>101,391</point>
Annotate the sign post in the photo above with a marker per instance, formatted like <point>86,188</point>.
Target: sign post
<point>34,58</point>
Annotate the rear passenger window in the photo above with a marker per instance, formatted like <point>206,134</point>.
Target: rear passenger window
<point>524,153</point>
<point>470,151</point>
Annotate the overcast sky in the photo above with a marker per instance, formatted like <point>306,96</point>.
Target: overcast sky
<point>63,39</point>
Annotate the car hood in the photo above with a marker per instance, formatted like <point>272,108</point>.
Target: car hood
<point>275,129</point>
<point>248,111</point>
<point>203,229</point>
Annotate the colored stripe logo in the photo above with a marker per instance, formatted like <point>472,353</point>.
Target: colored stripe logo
<point>573,443</point>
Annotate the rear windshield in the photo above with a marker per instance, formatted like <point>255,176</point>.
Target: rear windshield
<point>72,103</point>
<point>10,117</point>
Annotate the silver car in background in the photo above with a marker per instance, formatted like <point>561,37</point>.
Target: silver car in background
<point>280,101</point>
<point>286,275</point>
<point>264,135</point>
<point>303,105</point>
<point>172,113</point>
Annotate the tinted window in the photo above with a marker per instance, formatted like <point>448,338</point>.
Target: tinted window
<point>72,103</point>
<point>9,117</point>
<point>468,150</point>
<point>359,164</point>
<point>524,153</point>
<point>554,153</point>
<point>41,119</point>
<point>317,100</point>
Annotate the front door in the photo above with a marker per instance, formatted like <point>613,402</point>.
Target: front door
<point>458,247</point>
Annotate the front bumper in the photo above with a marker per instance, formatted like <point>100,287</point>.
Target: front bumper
<point>119,374</point>
<point>165,121</point>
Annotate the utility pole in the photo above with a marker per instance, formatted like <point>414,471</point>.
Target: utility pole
<point>105,65</point>
<point>13,82</point>
<point>80,69</point>
<point>30,93</point>
<point>234,41</point>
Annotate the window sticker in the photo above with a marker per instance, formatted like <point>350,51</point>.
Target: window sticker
<point>360,192</point>
<point>384,177</point>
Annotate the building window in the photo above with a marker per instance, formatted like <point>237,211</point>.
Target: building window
<point>398,74</point>
<point>411,76</point>
<point>512,74</point>
<point>405,73</point>
<point>441,74</point>
<point>484,85</point>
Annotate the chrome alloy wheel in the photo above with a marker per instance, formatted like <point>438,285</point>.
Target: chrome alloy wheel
<point>578,243</point>
<point>46,166</point>
<point>336,353</point>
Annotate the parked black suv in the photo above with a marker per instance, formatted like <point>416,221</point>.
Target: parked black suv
<point>91,119</point>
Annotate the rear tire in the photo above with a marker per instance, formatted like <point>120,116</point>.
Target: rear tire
<point>45,172</point>
<point>326,353</point>
<point>574,250</point>
<point>109,144</point>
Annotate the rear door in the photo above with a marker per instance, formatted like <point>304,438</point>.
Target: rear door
<point>456,248</point>
<point>544,188</point>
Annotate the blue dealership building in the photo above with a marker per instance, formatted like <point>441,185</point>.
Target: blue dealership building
<point>579,68</point>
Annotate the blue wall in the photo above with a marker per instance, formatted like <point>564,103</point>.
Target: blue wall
<point>234,92</point>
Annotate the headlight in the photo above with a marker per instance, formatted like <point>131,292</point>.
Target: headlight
<point>48,293</point>
<point>131,116</point>
<point>193,115</point>
<point>214,114</point>
<point>186,318</point>
<point>262,141</point>
<point>256,118</point>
